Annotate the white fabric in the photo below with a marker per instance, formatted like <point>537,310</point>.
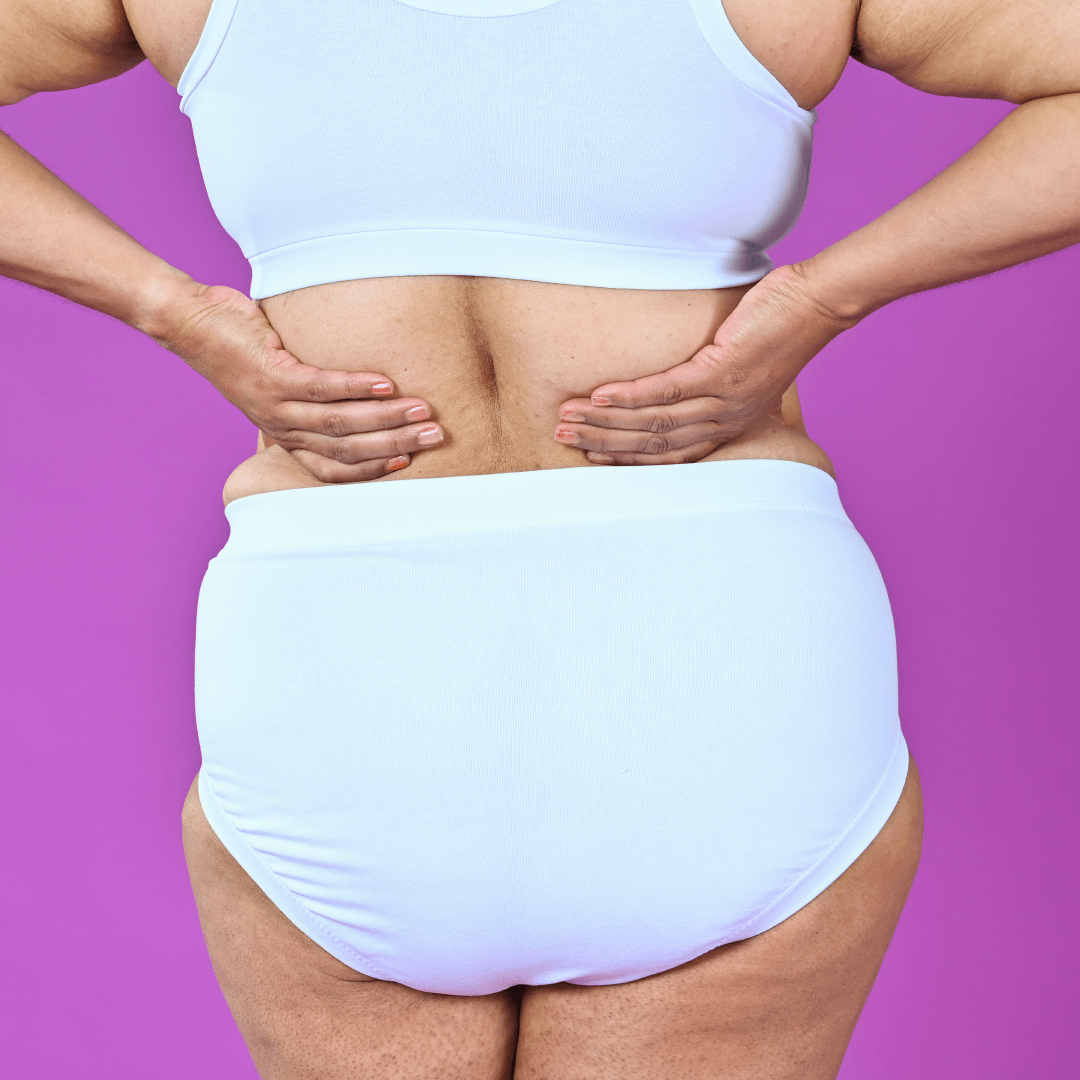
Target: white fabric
<point>618,143</point>
<point>580,724</point>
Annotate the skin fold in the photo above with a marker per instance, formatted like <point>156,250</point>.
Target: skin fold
<point>500,358</point>
<point>405,378</point>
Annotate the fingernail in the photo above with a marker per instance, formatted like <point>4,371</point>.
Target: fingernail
<point>566,435</point>
<point>429,436</point>
<point>601,400</point>
<point>382,388</point>
<point>601,459</point>
<point>396,463</point>
<point>417,412</point>
<point>572,417</point>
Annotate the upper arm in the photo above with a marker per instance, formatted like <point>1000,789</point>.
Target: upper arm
<point>61,44</point>
<point>1015,50</point>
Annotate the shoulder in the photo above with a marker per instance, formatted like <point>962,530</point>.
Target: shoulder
<point>1015,50</point>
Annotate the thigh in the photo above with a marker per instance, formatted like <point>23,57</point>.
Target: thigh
<point>307,1016</point>
<point>778,1006</point>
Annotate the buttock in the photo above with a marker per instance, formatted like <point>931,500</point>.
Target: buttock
<point>618,717</point>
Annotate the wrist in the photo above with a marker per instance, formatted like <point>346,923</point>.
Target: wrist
<point>161,301</point>
<point>841,292</point>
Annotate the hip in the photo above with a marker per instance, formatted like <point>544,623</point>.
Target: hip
<point>529,693</point>
<point>713,587</point>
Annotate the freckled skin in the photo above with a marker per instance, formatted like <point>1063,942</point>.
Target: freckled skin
<point>496,358</point>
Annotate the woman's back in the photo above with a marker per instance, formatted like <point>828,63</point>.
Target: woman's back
<point>660,244</point>
<point>520,755</point>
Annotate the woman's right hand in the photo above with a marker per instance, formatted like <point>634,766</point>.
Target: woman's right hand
<point>341,426</point>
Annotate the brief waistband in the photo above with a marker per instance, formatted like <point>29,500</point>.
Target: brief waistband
<point>361,514</point>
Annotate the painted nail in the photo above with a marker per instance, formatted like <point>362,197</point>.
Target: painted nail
<point>601,459</point>
<point>429,436</point>
<point>600,400</point>
<point>382,388</point>
<point>396,463</point>
<point>417,412</point>
<point>572,417</point>
<point>566,436</point>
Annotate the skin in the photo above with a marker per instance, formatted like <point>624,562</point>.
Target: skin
<point>514,375</point>
<point>500,357</point>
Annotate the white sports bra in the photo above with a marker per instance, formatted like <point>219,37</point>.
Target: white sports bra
<point>630,144</point>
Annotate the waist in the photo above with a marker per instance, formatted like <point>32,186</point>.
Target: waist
<point>336,517</point>
<point>495,358</point>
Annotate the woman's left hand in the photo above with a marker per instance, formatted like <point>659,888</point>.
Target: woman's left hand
<point>685,413</point>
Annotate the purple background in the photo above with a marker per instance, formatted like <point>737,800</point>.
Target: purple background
<point>951,420</point>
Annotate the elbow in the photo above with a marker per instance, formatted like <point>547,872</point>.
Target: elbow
<point>11,92</point>
<point>1021,95</point>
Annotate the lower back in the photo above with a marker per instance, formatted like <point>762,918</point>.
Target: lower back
<point>495,358</point>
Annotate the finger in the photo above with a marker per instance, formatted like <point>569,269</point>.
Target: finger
<point>695,377</point>
<point>340,418</point>
<point>295,381</point>
<point>656,418</point>
<point>369,446</point>
<point>685,456</point>
<point>334,472</point>
<point>584,437</point>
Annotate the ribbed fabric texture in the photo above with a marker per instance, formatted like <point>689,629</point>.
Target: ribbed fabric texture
<point>580,724</point>
<point>618,143</point>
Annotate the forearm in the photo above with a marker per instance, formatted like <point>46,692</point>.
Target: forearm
<point>51,237</point>
<point>1014,196</point>
<point>341,425</point>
